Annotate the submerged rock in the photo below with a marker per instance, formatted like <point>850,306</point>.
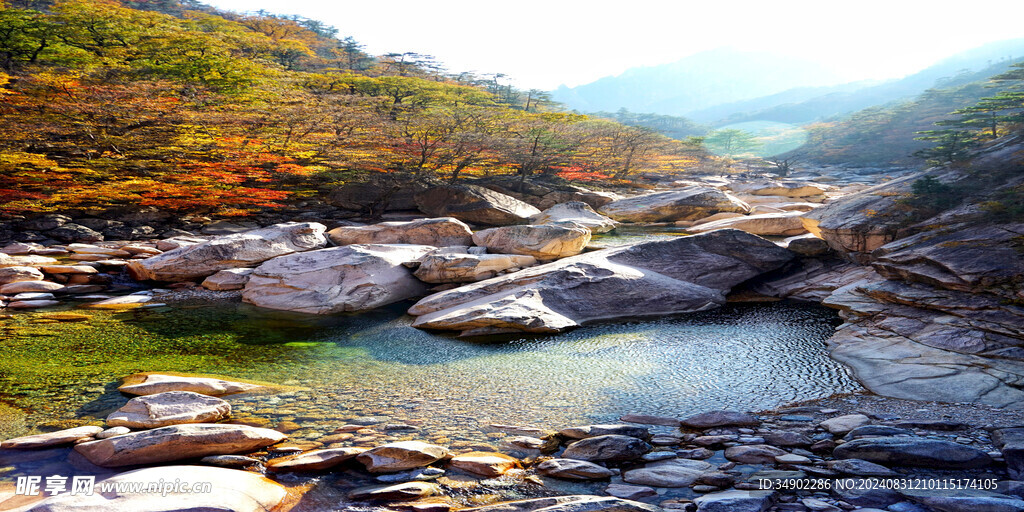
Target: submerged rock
<point>690,203</point>
<point>246,249</point>
<point>316,460</point>
<point>48,439</point>
<point>486,464</point>
<point>647,279</point>
<point>400,456</point>
<point>327,281</point>
<point>441,232</point>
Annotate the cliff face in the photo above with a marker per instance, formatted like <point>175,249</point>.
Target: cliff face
<point>932,302</point>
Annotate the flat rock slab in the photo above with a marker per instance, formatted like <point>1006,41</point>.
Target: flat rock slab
<point>486,464</point>
<point>152,383</point>
<point>440,232</point>
<point>689,203</point>
<point>766,224</point>
<point>573,469</point>
<point>230,490</point>
<point>169,408</point>
<point>177,442</point>
<point>670,473</point>
<point>316,460</point>
<point>913,451</point>
<point>397,492</point>
<point>713,419</point>
<point>604,430</point>
<point>400,456</point>
<point>60,437</point>
<point>647,279</point>
<point>579,212</point>
<point>123,302</point>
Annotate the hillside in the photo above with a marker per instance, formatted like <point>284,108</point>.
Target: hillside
<point>190,110</point>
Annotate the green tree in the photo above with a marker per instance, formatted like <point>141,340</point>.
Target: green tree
<point>730,142</point>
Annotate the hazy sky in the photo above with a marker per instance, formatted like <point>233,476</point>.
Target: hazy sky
<point>544,43</point>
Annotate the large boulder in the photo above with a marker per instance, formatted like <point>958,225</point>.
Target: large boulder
<point>647,279</point>
<point>768,224</point>
<point>913,451</point>
<point>153,383</point>
<point>170,408</point>
<point>377,195</point>
<point>573,469</point>
<point>327,281</point>
<point>177,489</point>
<point>547,242</point>
<point>455,265</point>
<point>177,442</point>
<point>579,212</point>
<point>792,189</point>
<point>232,251</point>
<point>690,203</point>
<point>471,203</point>
<point>400,456</point>
<point>442,232</point>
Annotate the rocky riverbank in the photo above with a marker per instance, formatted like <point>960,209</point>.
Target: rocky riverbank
<point>848,452</point>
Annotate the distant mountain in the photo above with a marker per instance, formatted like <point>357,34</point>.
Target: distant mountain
<point>963,68</point>
<point>727,86</point>
<point>709,78</point>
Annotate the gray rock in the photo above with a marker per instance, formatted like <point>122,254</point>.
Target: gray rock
<point>401,456</point>
<point>864,495</point>
<point>170,408</point>
<point>398,492</point>
<point>474,204</point>
<point>447,266</point>
<point>579,212</point>
<point>607,448</point>
<point>786,439</point>
<point>754,454</point>
<point>766,224</point>
<point>572,469</point>
<point>670,473</point>
<point>650,420</point>
<point>572,503</point>
<point>630,492</point>
<point>843,424</point>
<point>230,461</point>
<point>647,279</point>
<point>736,501</point>
<point>250,248</point>
<point>690,203</point>
<point>857,467</point>
<point>176,443</point>
<point>877,431</point>
<point>913,451</point>
<point>441,232</point>
<point>71,232</point>
<point>229,279</point>
<point>604,430</point>
<point>328,281</point>
<point>58,438</point>
<point>544,242</point>
<point>712,419</point>
<point>966,500</point>
<point>315,460</point>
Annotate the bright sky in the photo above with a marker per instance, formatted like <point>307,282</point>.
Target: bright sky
<point>545,43</point>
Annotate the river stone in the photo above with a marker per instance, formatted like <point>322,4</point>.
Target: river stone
<point>15,274</point>
<point>402,491</point>
<point>656,278</point>
<point>690,203</point>
<point>603,430</point>
<point>32,304</point>
<point>877,431</point>
<point>443,266</point>
<point>177,442</point>
<point>232,491</point>
<point>735,500</point>
<point>571,503</point>
<point>441,232</point>
<point>753,454</point>
<point>843,424</point>
<point>228,279</point>
<point>788,188</point>
<point>787,439</point>
<point>170,408</point>
<point>858,467</point>
<point>712,419</point>
<point>113,431</point>
<point>573,469</point>
<point>861,494</point>
<point>546,242</point>
<point>474,204</point>
<point>153,383</point>
<point>607,448</point>
<point>335,280</point>
<point>578,212</point>
<point>807,245</point>
<point>486,464</point>
<point>246,249</point>
<point>400,456</point>
<point>30,287</point>
<point>630,492</point>
<point>670,473</point>
<point>767,224</point>
<point>646,419</point>
<point>60,437</point>
<point>913,451</point>
<point>316,460</point>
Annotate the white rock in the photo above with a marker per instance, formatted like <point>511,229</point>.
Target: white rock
<point>169,408</point>
<point>547,242</point>
<point>579,212</point>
